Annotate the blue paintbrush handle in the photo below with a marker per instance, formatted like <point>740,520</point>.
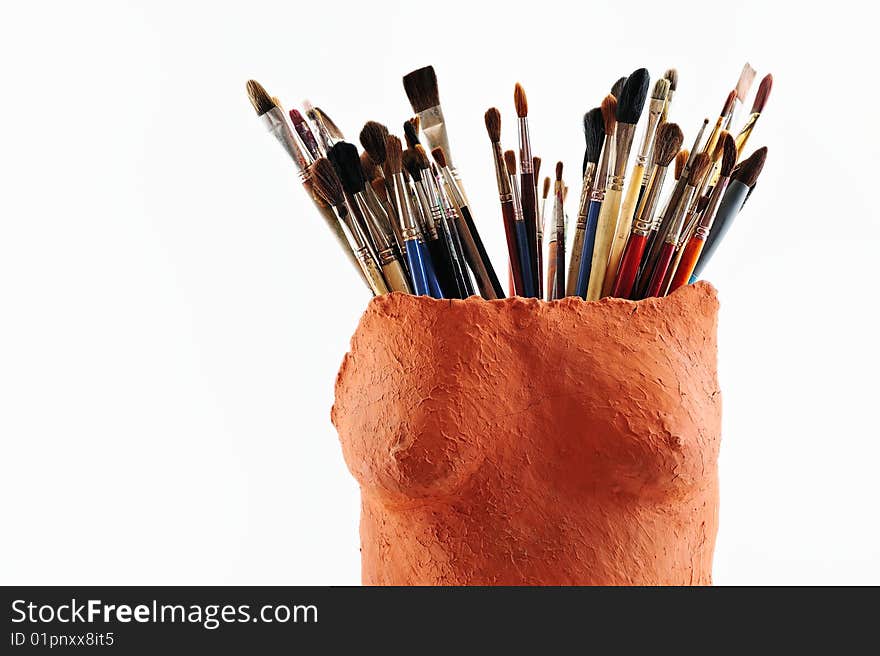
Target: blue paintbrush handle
<point>430,272</point>
<point>416,268</point>
<point>583,281</point>
<point>522,247</point>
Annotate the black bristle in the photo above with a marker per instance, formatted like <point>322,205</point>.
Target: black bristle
<point>617,87</point>
<point>411,164</point>
<point>347,162</point>
<point>632,99</point>
<point>410,135</point>
<point>594,135</point>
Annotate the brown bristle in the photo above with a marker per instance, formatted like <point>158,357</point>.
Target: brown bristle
<point>763,93</point>
<point>672,75</point>
<point>260,98</point>
<point>699,168</point>
<point>728,104</point>
<point>421,156</point>
<point>728,154</point>
<point>371,169</point>
<point>669,138</point>
<point>564,193</point>
<point>609,113</point>
<point>510,162</point>
<point>393,154</point>
<point>680,161</point>
<point>332,128</point>
<point>536,168</point>
<point>411,133</point>
<point>660,90</point>
<point>378,186</point>
<point>325,182</point>
<point>558,171</point>
<point>411,164</point>
<point>520,101</point>
<point>416,122</point>
<point>439,157</point>
<point>719,146</point>
<point>546,191</point>
<point>373,140</point>
<point>493,124</point>
<point>749,169</point>
<point>421,88</point>
<point>745,82</point>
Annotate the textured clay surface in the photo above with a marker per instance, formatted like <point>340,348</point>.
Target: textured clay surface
<point>522,442</point>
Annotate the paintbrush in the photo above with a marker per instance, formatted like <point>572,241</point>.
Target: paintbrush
<point>691,251</point>
<point>305,134</point>
<point>448,263</point>
<point>757,108</point>
<point>451,219</point>
<point>344,157</point>
<point>594,133</point>
<point>527,179</point>
<point>597,194</point>
<point>493,128</point>
<point>714,135</point>
<point>539,230</point>
<point>680,160</point>
<point>699,169</point>
<point>327,131</point>
<point>671,74</point>
<point>421,89</point>
<point>417,255</point>
<point>521,230</point>
<point>329,188</point>
<point>273,119</point>
<point>475,251</point>
<point>629,108</point>
<point>635,188</point>
<point>411,133</point>
<point>542,228</point>
<point>559,214</point>
<point>669,138</point>
<point>742,180</point>
<point>617,87</point>
<point>661,225</point>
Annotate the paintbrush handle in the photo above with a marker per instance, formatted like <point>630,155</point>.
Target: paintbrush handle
<point>629,265</point>
<point>585,271</point>
<point>396,276</point>
<point>482,255</point>
<point>655,283</point>
<point>416,267</point>
<point>624,227</point>
<point>522,244</point>
<point>329,215</point>
<point>371,272</point>
<point>559,283</point>
<point>551,270</point>
<point>690,255</point>
<point>574,261</point>
<point>445,274</point>
<point>658,237</point>
<point>457,257</point>
<point>507,215</point>
<point>529,209</point>
<point>602,248</point>
<point>484,280</point>
<point>430,272</point>
<point>731,204</point>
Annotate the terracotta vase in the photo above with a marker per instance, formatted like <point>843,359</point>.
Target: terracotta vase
<point>519,442</point>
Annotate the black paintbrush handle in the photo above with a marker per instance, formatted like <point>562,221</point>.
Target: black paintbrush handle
<point>456,256</point>
<point>529,208</point>
<point>440,256</point>
<point>481,253</point>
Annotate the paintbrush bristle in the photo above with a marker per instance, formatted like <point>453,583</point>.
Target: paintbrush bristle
<point>728,103</point>
<point>510,162</point>
<point>745,82</point>
<point>372,139</point>
<point>439,157</point>
<point>661,89</point>
<point>728,154</point>
<point>370,168</point>
<point>411,164</point>
<point>546,190</point>
<point>609,114</point>
<point>421,88</point>
<point>259,97</point>
<point>332,128</point>
<point>536,168</point>
<point>699,167</point>
<point>719,146</point>
<point>347,163</point>
<point>594,133</point>
<point>763,94</point>
<point>749,169</point>
<point>668,141</point>
<point>617,87</point>
<point>520,101</point>
<point>493,124</point>
<point>632,99</point>
<point>421,157</point>
<point>411,134</point>
<point>394,154</point>
<point>671,74</point>
<point>378,185</point>
<point>680,161</point>
<point>558,171</point>
<point>325,182</point>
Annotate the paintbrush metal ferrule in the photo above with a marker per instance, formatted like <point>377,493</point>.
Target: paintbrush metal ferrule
<point>586,191</point>
<point>503,180</point>
<point>708,217</point>
<point>643,224</point>
<point>380,239</point>
<point>606,161</point>
<point>623,139</point>
<point>276,123</point>
<point>746,131</point>
<point>408,229</point>
<point>525,145</point>
<point>654,111</point>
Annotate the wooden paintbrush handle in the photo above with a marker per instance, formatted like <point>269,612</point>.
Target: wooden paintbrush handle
<point>329,215</point>
<point>507,215</point>
<point>624,226</point>
<point>629,265</point>
<point>689,257</point>
<point>574,261</point>
<point>529,209</point>
<point>481,252</point>
<point>658,275</point>
<point>551,270</point>
<point>372,273</point>
<point>602,247</point>
<point>396,276</point>
<point>474,261</point>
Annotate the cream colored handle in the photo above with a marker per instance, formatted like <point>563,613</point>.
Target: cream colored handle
<point>372,274</point>
<point>624,224</point>
<point>332,222</point>
<point>396,277</point>
<point>605,229</point>
<point>574,262</point>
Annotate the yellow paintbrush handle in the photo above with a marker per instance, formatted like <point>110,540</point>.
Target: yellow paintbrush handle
<point>605,229</point>
<point>372,273</point>
<point>396,277</point>
<point>624,223</point>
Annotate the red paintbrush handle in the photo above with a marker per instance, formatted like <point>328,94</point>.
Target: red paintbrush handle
<point>659,273</point>
<point>629,265</point>
<point>688,263</point>
<point>512,250</point>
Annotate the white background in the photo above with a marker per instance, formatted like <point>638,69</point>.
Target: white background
<point>172,312</point>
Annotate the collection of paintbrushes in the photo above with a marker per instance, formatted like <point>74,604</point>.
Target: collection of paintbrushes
<point>406,224</point>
